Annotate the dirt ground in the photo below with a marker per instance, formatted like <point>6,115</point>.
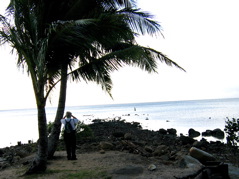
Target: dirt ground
<point>110,165</point>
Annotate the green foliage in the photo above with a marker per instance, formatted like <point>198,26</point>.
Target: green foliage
<point>232,130</point>
<point>83,174</point>
<point>49,127</point>
<point>83,132</point>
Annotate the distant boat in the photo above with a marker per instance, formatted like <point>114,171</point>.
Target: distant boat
<point>147,118</point>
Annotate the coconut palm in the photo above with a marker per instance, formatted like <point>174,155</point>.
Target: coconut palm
<point>31,35</point>
<point>117,48</point>
<point>90,39</point>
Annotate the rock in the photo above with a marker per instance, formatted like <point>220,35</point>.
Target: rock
<point>207,133</point>
<point>192,133</point>
<point>152,167</point>
<point>148,149</point>
<point>201,155</point>
<point>22,153</point>
<point>172,131</point>
<point>106,145</point>
<point>102,151</point>
<point>128,136</point>
<point>118,134</point>
<point>160,150</point>
<point>186,140</point>
<point>218,133</point>
<point>189,162</point>
<point>4,165</point>
<point>162,131</point>
<point>1,152</point>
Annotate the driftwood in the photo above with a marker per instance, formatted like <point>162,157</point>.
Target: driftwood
<point>135,148</point>
<point>211,170</point>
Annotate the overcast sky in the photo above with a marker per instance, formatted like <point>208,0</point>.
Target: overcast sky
<point>202,36</point>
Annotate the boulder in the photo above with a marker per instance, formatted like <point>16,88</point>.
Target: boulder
<point>106,145</point>
<point>118,134</point>
<point>22,153</point>
<point>160,150</point>
<point>152,167</point>
<point>172,131</point>
<point>162,131</point>
<point>189,162</point>
<point>148,149</point>
<point>1,152</point>
<point>186,140</point>
<point>218,133</point>
<point>201,155</point>
<point>192,133</point>
<point>128,136</point>
<point>207,133</point>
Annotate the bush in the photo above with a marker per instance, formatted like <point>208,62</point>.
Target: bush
<point>232,131</point>
<point>49,128</point>
<point>83,132</point>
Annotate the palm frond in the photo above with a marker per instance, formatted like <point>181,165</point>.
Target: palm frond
<point>141,22</point>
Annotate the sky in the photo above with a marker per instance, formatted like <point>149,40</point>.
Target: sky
<point>200,35</point>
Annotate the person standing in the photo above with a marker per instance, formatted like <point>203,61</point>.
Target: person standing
<point>69,121</point>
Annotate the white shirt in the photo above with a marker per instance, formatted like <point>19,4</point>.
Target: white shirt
<point>73,122</point>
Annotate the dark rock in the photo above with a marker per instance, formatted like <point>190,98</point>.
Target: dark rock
<point>128,136</point>
<point>172,131</point>
<point>218,133</point>
<point>189,162</point>
<point>106,145</point>
<point>162,131</point>
<point>192,133</point>
<point>207,133</point>
<point>201,155</point>
<point>186,140</point>
<point>148,149</point>
<point>1,152</point>
<point>118,134</point>
<point>160,150</point>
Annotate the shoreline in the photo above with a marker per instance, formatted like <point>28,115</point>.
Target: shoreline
<point>144,125</point>
<point>128,141</point>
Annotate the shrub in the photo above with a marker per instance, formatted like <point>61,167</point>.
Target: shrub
<point>232,131</point>
<point>49,128</point>
<point>83,132</point>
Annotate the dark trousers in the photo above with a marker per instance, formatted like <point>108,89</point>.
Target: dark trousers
<point>70,142</point>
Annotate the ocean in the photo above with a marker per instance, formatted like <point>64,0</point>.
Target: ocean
<point>21,124</point>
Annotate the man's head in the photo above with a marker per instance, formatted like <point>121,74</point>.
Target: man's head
<point>68,114</point>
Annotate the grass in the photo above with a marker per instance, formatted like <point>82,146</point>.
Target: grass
<point>88,174</point>
<point>70,174</point>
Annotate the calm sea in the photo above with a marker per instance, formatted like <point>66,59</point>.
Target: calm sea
<point>21,124</point>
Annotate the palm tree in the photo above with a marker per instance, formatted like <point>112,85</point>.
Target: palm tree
<point>25,37</point>
<point>118,25</point>
<point>99,38</point>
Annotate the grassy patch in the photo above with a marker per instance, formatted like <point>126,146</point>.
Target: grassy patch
<point>42,175</point>
<point>70,174</point>
<point>88,174</point>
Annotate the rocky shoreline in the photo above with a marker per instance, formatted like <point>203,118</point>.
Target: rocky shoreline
<point>118,135</point>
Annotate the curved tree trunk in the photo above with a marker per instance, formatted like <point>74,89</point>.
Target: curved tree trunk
<point>39,163</point>
<point>56,129</point>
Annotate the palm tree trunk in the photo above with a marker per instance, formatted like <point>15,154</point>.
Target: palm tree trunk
<point>39,164</point>
<point>56,129</point>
